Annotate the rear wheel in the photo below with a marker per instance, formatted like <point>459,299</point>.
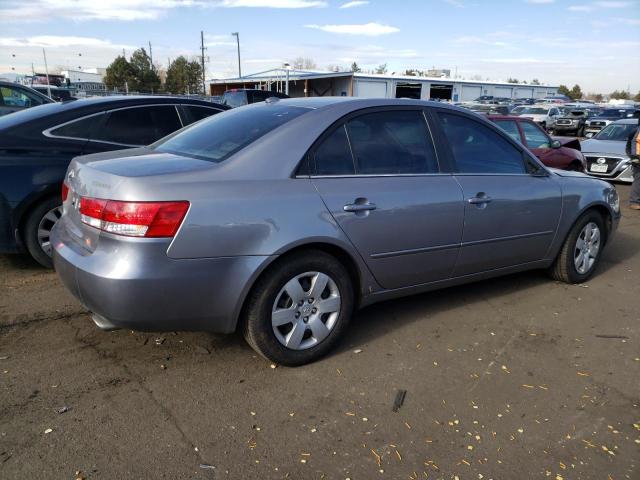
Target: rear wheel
<point>37,230</point>
<point>299,309</point>
<point>581,251</point>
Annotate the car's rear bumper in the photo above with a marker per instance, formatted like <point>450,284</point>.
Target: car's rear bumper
<point>131,283</point>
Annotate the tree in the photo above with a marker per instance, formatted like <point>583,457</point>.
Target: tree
<point>355,68</point>
<point>184,76</point>
<point>535,81</point>
<point>512,80</point>
<point>382,68</point>
<point>119,75</point>
<point>637,97</point>
<point>597,97</point>
<point>575,93</point>
<point>563,90</point>
<point>619,95</point>
<point>145,77</point>
<point>304,63</point>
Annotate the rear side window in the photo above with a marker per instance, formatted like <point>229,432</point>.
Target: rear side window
<point>196,113</point>
<point>534,136</point>
<point>478,149</point>
<point>235,99</point>
<point>511,128</point>
<point>79,129</point>
<point>220,136</point>
<point>333,156</point>
<point>392,142</point>
<point>139,125</point>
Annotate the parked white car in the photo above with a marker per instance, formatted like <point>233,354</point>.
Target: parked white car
<point>543,115</point>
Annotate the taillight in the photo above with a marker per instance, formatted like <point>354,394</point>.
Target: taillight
<point>133,219</point>
<point>65,191</point>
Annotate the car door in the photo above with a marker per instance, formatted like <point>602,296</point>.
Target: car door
<point>379,176</point>
<point>512,205</point>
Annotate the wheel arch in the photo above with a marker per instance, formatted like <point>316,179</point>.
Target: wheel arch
<point>340,252</point>
<point>22,211</point>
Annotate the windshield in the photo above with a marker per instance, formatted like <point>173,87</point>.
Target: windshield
<point>534,111</point>
<point>616,132</point>
<point>220,136</point>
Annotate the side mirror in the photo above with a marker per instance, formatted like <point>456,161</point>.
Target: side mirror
<point>555,144</point>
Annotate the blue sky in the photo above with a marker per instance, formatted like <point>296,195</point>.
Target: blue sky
<point>593,43</point>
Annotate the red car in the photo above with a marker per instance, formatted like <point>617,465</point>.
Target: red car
<point>563,153</point>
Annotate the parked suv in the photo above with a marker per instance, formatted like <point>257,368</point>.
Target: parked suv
<point>15,97</point>
<point>543,115</point>
<point>571,123</point>
<point>238,97</point>
<point>36,146</point>
<point>604,118</point>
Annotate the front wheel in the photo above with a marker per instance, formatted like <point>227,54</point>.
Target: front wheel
<point>299,309</point>
<point>581,251</point>
<point>37,230</point>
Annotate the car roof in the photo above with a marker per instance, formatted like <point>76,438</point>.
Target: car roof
<point>86,106</point>
<point>628,121</point>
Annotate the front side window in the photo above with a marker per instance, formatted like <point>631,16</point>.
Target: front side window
<point>220,136</point>
<point>477,148</point>
<point>534,136</point>
<point>510,127</point>
<point>392,142</point>
<point>139,125</point>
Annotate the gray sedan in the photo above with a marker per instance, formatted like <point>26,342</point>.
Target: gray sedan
<point>282,218</point>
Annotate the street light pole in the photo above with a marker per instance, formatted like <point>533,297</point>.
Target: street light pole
<point>237,35</point>
<point>287,67</point>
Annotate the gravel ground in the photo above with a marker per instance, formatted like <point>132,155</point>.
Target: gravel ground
<point>514,378</point>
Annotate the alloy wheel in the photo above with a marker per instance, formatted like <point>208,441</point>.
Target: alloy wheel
<point>587,248</point>
<point>305,310</point>
<point>44,228</point>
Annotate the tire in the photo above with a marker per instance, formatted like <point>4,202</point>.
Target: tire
<point>271,294</point>
<point>566,267</point>
<point>36,227</point>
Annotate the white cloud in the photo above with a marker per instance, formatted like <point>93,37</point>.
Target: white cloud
<point>600,5</point>
<point>525,61</point>
<point>53,41</point>
<point>272,3</point>
<point>580,8</point>
<point>540,2</point>
<point>454,3</point>
<point>611,4</point>
<point>371,29</point>
<point>475,40</point>
<point>355,3</point>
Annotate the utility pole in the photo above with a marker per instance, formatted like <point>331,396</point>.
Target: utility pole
<point>237,35</point>
<point>150,56</point>
<point>202,49</point>
<point>46,71</point>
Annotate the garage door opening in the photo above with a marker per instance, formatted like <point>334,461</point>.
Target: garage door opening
<point>409,90</point>
<point>440,92</point>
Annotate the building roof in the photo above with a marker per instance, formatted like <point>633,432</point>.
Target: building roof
<point>294,75</point>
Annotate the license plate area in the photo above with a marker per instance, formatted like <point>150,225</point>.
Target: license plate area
<point>598,168</point>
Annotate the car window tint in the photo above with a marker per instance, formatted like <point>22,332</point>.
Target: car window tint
<point>196,113</point>
<point>333,156</point>
<point>534,136</point>
<point>80,129</point>
<point>235,99</point>
<point>220,136</point>
<point>510,127</point>
<point>139,125</point>
<point>392,142</point>
<point>478,149</point>
<point>14,97</point>
<point>260,96</point>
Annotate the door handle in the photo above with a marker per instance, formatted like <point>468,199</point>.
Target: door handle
<point>359,207</point>
<point>479,199</point>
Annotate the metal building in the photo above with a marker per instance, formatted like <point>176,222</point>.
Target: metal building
<point>318,84</point>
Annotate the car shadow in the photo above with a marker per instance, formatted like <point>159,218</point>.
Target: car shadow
<point>21,261</point>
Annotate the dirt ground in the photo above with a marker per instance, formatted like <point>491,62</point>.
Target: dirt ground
<point>515,378</point>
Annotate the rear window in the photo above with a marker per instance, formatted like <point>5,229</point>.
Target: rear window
<point>218,137</point>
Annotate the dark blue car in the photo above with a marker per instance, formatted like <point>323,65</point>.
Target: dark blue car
<point>36,146</point>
